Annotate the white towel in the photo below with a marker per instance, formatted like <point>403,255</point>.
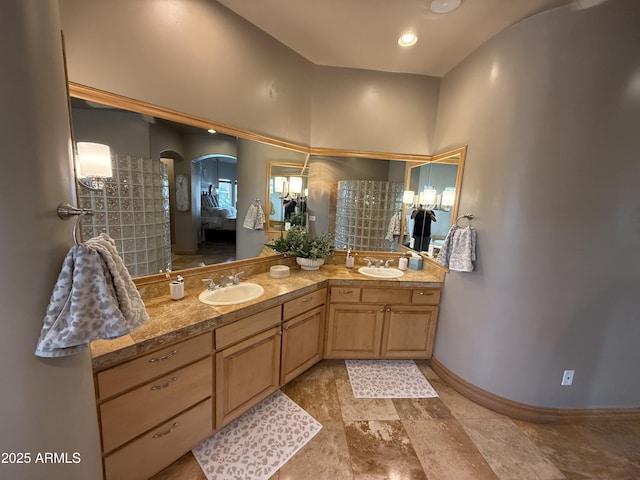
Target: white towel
<point>250,217</point>
<point>93,298</point>
<point>458,250</point>
<point>260,220</point>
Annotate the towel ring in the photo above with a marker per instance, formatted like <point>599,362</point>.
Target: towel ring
<point>468,217</point>
<point>66,211</point>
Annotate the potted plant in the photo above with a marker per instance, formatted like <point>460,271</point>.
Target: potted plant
<point>310,250</point>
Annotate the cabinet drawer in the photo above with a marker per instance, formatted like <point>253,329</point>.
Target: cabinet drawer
<point>161,446</point>
<point>386,295</point>
<point>304,303</point>
<point>128,375</point>
<point>135,412</point>
<point>425,296</point>
<point>236,331</point>
<point>345,294</point>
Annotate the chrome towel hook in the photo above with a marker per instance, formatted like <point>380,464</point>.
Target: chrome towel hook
<point>66,211</point>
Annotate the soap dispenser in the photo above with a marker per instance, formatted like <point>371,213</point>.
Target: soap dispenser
<point>350,261</point>
<point>403,263</point>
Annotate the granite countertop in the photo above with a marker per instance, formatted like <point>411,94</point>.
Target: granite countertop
<point>171,321</point>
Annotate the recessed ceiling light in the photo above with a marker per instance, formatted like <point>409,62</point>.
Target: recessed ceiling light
<point>444,6</point>
<point>407,39</point>
<point>211,130</point>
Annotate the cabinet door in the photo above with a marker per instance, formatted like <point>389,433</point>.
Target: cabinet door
<point>354,331</point>
<point>409,331</point>
<point>302,341</point>
<point>246,374</point>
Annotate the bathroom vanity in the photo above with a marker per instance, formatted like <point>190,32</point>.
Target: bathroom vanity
<point>194,368</point>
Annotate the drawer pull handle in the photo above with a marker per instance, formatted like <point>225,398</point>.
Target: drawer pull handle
<point>306,300</point>
<point>160,387</point>
<point>426,294</point>
<point>345,292</point>
<point>171,429</point>
<point>164,357</point>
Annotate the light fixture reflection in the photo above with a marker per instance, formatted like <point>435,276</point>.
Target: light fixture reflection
<point>93,164</point>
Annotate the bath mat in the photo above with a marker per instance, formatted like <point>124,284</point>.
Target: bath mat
<point>257,444</point>
<point>388,379</point>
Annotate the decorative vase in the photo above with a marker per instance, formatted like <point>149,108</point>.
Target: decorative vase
<point>309,263</point>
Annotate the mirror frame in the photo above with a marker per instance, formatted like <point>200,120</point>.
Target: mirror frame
<point>276,163</point>
<point>459,154</point>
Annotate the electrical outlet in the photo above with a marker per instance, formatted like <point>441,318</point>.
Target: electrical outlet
<point>567,377</point>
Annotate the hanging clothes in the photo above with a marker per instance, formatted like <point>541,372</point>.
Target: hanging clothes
<point>458,251</point>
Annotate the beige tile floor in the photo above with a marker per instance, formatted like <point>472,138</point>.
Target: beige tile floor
<point>444,438</point>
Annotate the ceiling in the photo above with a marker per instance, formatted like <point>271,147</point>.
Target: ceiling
<point>364,33</point>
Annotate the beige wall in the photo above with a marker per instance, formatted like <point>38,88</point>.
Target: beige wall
<point>46,405</point>
<point>373,111</point>
<point>194,57</point>
<point>550,110</point>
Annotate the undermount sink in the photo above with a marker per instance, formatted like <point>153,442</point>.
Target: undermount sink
<point>381,272</point>
<point>231,295</point>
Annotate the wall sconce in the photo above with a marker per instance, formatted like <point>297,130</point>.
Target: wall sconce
<point>407,197</point>
<point>295,185</point>
<point>93,165</point>
<point>428,196</point>
<point>448,197</point>
<point>279,184</point>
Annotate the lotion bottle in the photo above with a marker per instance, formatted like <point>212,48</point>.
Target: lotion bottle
<point>403,263</point>
<point>350,261</point>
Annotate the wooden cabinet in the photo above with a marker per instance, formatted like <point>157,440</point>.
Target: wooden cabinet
<point>381,322</point>
<point>302,334</point>
<point>247,371</point>
<point>155,408</point>
<point>354,331</point>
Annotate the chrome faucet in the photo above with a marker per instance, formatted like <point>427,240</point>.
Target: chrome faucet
<point>386,264</point>
<point>379,264</point>
<point>368,260</point>
<point>236,278</point>
<point>212,285</point>
<point>225,279</point>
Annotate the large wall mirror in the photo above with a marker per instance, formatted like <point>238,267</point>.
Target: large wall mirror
<point>159,155</point>
<point>431,198</point>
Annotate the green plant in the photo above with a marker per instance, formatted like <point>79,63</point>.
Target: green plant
<point>300,243</point>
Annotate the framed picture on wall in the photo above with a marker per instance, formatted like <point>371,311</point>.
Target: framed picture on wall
<point>182,193</point>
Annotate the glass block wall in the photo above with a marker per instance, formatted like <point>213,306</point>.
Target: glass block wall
<point>364,210</point>
<point>133,209</point>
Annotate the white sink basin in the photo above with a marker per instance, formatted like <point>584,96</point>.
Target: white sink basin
<point>231,295</point>
<point>381,272</point>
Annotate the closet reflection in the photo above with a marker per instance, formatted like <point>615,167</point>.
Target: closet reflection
<point>431,199</point>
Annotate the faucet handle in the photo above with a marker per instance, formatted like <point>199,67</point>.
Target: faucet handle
<point>236,278</point>
<point>386,264</point>
<point>368,260</point>
<point>212,285</point>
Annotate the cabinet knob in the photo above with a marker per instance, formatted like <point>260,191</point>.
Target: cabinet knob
<point>280,332</point>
